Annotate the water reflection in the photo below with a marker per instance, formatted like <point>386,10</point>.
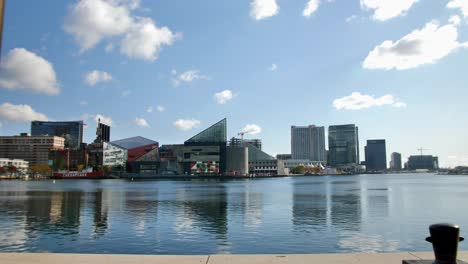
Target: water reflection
<point>285,215</point>
<point>310,206</point>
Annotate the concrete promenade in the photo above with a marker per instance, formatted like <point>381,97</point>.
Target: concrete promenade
<point>357,258</point>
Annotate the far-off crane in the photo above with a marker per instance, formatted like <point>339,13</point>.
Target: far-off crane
<point>421,150</point>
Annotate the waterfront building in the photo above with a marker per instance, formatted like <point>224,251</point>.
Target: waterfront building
<point>308,142</point>
<point>237,160</point>
<point>171,159</point>
<point>343,145</point>
<point>376,155</point>
<point>71,131</point>
<point>69,159</point>
<point>205,153</point>
<point>34,149</point>
<point>423,162</point>
<point>20,164</point>
<point>291,164</point>
<point>240,142</point>
<point>283,156</point>
<point>395,162</point>
<point>139,148</point>
<point>106,154</point>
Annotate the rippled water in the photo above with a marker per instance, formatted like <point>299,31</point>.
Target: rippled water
<point>364,213</point>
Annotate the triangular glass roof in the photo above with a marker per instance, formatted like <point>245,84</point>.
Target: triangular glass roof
<point>256,154</point>
<point>214,134</point>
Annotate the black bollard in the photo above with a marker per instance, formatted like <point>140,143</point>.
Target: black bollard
<point>444,239</point>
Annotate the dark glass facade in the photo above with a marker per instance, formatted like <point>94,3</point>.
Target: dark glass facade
<point>423,162</point>
<point>343,144</point>
<point>105,132</point>
<point>376,155</point>
<point>71,131</point>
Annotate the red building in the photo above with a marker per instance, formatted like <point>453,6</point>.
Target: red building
<point>138,147</point>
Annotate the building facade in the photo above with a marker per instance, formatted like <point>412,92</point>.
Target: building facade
<point>395,162</point>
<point>137,147</point>
<point>376,155</point>
<point>240,142</point>
<point>34,149</point>
<point>69,159</point>
<point>71,131</point>
<point>205,153</point>
<point>237,160</point>
<point>308,143</point>
<point>423,162</point>
<point>343,145</point>
<point>20,165</point>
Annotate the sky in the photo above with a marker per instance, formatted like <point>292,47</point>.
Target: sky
<point>166,70</point>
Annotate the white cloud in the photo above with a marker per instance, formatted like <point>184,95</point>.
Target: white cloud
<point>91,21</point>
<point>387,9</point>
<point>149,109</point>
<point>261,9</point>
<point>310,8</point>
<point>357,101</point>
<point>460,4</point>
<point>141,122</point>
<point>273,67</point>
<point>160,108</point>
<point>186,124</point>
<point>187,77</point>
<point>424,46</point>
<point>126,93</point>
<point>24,70</point>
<point>223,96</point>
<point>83,103</point>
<point>252,129</point>
<point>144,40</point>
<point>94,77</point>
<point>20,113</point>
<point>455,20</point>
<point>104,119</point>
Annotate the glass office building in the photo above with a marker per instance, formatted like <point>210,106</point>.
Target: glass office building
<point>376,155</point>
<point>343,144</point>
<point>71,131</point>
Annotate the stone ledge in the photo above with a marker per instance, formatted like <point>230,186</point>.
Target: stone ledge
<point>352,258</point>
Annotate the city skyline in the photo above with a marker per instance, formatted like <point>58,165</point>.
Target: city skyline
<point>212,60</point>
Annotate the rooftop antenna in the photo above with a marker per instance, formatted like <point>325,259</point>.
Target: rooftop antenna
<point>421,150</point>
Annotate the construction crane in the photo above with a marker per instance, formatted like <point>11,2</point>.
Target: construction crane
<point>421,150</point>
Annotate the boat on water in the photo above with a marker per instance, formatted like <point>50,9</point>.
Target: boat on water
<point>79,175</point>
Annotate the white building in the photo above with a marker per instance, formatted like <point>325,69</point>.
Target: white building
<point>308,143</point>
<point>21,165</point>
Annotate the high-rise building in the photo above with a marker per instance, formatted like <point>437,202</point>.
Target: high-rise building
<point>395,162</point>
<point>376,155</point>
<point>71,131</point>
<point>308,143</point>
<point>343,145</point>
<point>35,150</point>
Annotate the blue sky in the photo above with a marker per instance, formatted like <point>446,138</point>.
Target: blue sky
<point>394,68</point>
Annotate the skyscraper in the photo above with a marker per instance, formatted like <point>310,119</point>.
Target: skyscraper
<point>308,143</point>
<point>71,131</point>
<point>376,155</point>
<point>343,145</point>
<point>395,162</point>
